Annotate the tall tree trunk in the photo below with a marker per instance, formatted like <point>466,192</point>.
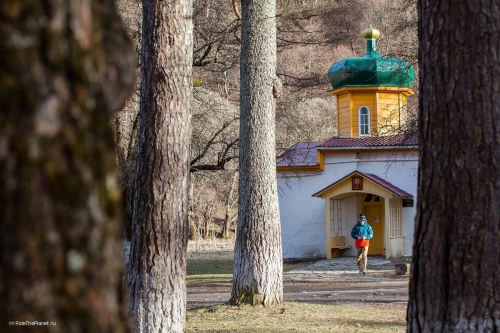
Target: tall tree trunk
<point>258,259</point>
<point>454,284</point>
<point>160,228</point>
<point>66,66</point>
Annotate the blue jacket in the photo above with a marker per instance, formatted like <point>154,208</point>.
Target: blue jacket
<point>362,230</point>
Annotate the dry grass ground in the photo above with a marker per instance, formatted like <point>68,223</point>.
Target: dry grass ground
<point>298,317</point>
<point>210,273</point>
<point>219,268</point>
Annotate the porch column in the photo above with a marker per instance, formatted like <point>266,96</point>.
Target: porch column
<point>327,229</point>
<point>387,227</point>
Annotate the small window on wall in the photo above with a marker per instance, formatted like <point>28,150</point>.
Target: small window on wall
<point>364,121</point>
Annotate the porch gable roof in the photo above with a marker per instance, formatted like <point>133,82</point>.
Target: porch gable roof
<point>379,181</point>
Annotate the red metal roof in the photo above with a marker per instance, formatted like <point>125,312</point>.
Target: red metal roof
<point>304,153</point>
<point>385,184</point>
<point>376,141</point>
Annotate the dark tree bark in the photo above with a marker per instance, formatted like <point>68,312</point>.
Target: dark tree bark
<point>454,285</point>
<point>160,228</point>
<point>258,260</point>
<point>65,67</point>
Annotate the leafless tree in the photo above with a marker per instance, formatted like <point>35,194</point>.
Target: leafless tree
<point>230,201</point>
<point>214,138</point>
<point>309,120</point>
<point>213,193</point>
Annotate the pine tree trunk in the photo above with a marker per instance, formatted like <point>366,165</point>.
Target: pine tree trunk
<point>454,285</point>
<point>257,259</point>
<point>66,66</point>
<point>160,227</point>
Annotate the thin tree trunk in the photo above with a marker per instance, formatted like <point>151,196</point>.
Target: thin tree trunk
<point>160,227</point>
<point>454,284</point>
<point>65,67</point>
<point>207,218</point>
<point>344,10</point>
<point>257,258</point>
<point>193,231</point>
<point>229,206</point>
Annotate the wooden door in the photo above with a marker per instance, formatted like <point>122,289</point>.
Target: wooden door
<point>374,214</point>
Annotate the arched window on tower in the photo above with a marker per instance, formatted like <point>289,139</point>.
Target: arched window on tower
<point>364,121</point>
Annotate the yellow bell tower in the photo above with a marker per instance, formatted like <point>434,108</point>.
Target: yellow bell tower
<point>371,92</point>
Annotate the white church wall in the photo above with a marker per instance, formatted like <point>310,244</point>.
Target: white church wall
<point>401,171</point>
<point>303,216</point>
<point>397,247</point>
<point>409,214</point>
<point>336,167</point>
<point>342,157</point>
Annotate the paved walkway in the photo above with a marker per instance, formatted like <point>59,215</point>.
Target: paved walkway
<point>343,267</point>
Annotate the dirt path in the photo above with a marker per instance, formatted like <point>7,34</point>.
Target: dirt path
<point>391,292</point>
<point>333,281</point>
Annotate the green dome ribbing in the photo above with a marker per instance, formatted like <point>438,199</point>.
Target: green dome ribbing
<point>371,69</point>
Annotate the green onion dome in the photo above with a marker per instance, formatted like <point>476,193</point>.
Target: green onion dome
<point>371,69</point>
